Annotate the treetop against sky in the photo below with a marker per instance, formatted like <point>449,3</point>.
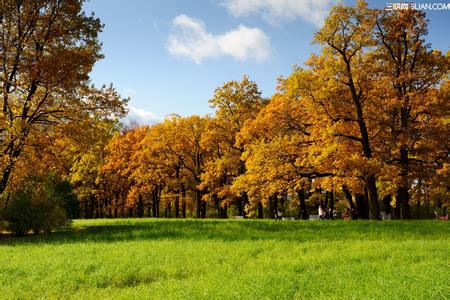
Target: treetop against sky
<point>169,56</point>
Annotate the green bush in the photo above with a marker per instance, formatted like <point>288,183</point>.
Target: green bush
<point>37,206</point>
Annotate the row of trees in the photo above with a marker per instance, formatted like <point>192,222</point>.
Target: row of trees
<point>365,121</point>
<point>363,127</point>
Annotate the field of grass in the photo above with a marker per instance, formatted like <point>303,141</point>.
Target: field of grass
<point>210,259</point>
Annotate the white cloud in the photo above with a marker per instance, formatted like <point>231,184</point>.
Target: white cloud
<point>142,115</point>
<point>191,40</point>
<point>276,11</point>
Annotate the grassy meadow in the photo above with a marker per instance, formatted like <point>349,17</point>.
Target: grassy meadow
<point>210,259</point>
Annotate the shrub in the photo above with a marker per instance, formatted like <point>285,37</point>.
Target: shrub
<point>37,207</point>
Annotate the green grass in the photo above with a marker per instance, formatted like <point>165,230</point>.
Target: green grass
<point>213,259</point>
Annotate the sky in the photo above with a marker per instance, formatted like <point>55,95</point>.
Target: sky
<point>168,56</point>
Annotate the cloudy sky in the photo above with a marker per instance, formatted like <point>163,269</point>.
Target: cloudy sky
<point>168,56</point>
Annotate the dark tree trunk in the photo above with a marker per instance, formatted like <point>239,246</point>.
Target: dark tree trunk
<point>86,208</point>
<point>387,203</point>
<point>140,206</point>
<point>418,209</point>
<point>177,207</point>
<point>216,202</point>
<point>100,207</point>
<point>325,203</point>
<point>372,195</point>
<point>273,205</point>
<point>116,204</point>
<point>240,207</point>
<point>183,209</point>
<point>91,208</point>
<point>122,202</point>
<point>350,205</point>
<point>361,206</point>
<point>154,203</point>
<point>5,176</point>
<point>110,208</point>
<point>149,210</point>
<point>225,211</point>
<point>402,191</point>
<point>158,201</point>
<point>203,209</point>
<point>303,213</point>
<point>155,200</point>
<point>130,212</point>
<point>331,200</point>
<point>199,204</point>
<point>183,201</point>
<point>260,210</point>
<point>403,202</point>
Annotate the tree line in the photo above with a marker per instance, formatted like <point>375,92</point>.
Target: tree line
<point>362,126</point>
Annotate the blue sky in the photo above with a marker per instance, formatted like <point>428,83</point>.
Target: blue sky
<point>168,56</point>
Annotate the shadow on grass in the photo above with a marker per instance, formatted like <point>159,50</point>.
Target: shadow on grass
<point>236,230</point>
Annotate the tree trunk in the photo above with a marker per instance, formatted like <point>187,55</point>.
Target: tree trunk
<point>403,202</point>
<point>273,205</point>
<point>331,200</point>
<point>5,176</point>
<point>140,206</point>
<point>109,208</point>
<point>91,207</point>
<point>303,213</point>
<point>116,204</point>
<point>361,207</point>
<point>374,208</point>
<point>177,207</point>
<point>240,207</point>
<point>402,191</point>
<point>183,209</point>
<point>158,201</point>
<point>350,205</point>
<point>130,212</point>
<point>199,204</point>
<point>203,209</point>
<point>418,209</point>
<point>260,210</point>
<point>86,208</point>
<point>387,204</point>
<point>183,201</point>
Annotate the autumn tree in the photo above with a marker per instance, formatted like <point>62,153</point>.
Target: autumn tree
<point>117,168</point>
<point>346,35</point>
<point>235,103</point>
<point>410,75</point>
<point>47,49</point>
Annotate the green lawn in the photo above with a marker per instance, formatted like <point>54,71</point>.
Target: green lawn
<point>213,259</point>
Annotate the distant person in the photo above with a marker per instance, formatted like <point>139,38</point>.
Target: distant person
<point>321,213</point>
<point>278,215</point>
<point>334,214</point>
